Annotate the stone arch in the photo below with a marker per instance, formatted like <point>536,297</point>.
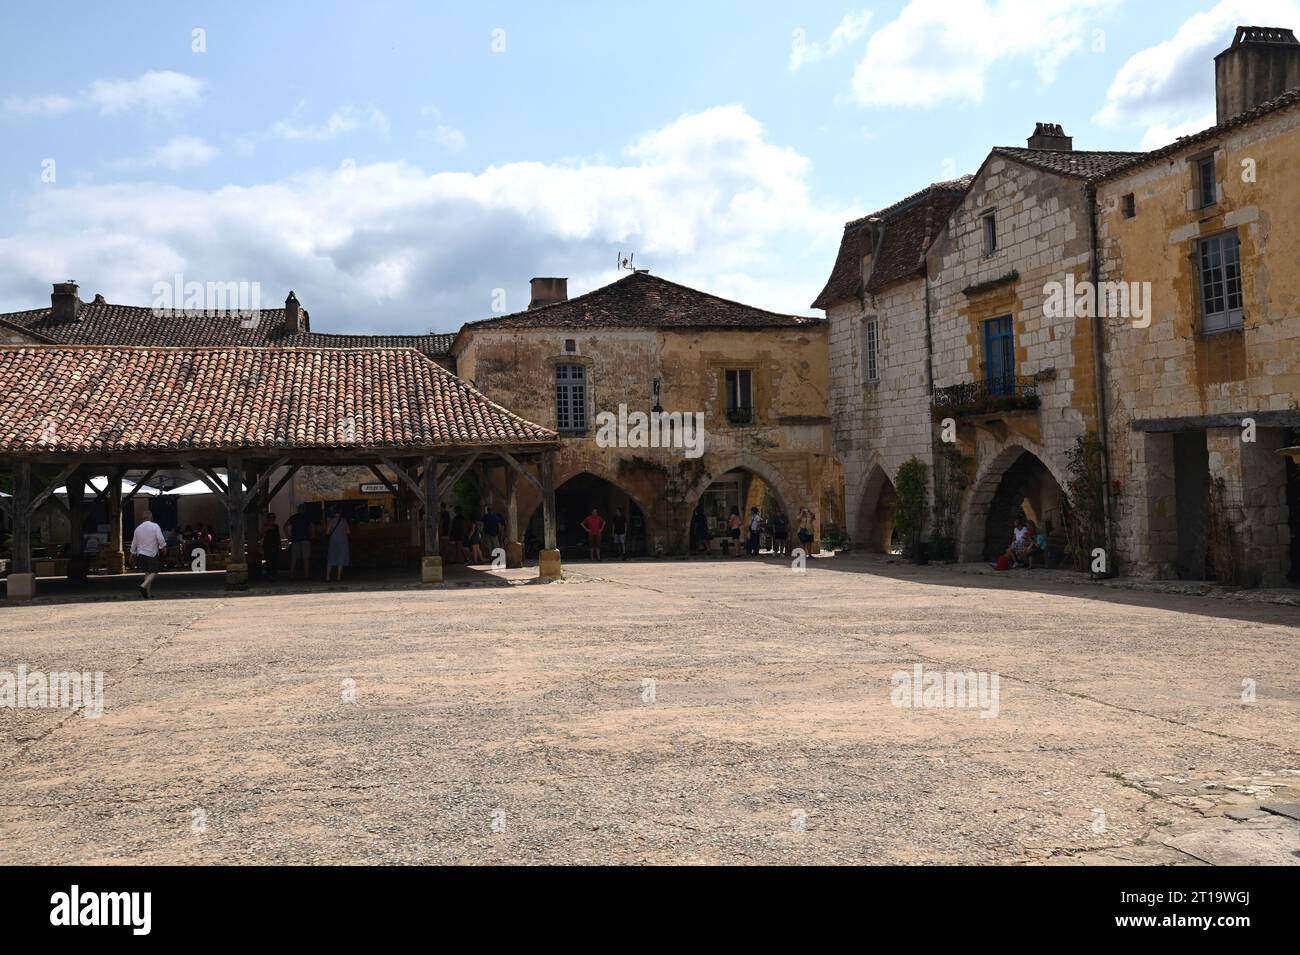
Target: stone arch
<point>874,523</point>
<point>770,476</point>
<point>984,491</point>
<point>596,487</point>
<point>564,477</point>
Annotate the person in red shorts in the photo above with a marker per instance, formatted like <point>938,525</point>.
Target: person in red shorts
<point>594,525</point>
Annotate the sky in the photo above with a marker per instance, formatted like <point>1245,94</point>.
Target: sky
<point>407,167</point>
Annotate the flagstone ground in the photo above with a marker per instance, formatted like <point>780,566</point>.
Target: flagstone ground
<point>515,724</point>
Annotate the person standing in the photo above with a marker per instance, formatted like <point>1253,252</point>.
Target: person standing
<point>806,521</point>
<point>338,533</point>
<point>298,527</point>
<point>459,532</point>
<point>491,530</point>
<point>271,546</point>
<point>755,527</point>
<point>146,545</point>
<point>780,533</point>
<point>594,525</point>
<point>700,529</point>
<point>618,526</point>
<point>733,530</point>
<point>474,541</point>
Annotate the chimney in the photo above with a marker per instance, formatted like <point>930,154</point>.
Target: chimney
<point>1051,136</point>
<point>295,316</point>
<point>65,303</point>
<point>1263,62</point>
<point>549,292</point>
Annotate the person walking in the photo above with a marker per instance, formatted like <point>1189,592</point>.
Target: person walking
<point>594,525</point>
<point>491,530</point>
<point>733,530</point>
<point>474,541</point>
<point>618,526</point>
<point>298,527</point>
<point>806,519</point>
<point>755,527</point>
<point>147,543</point>
<point>338,534</point>
<point>271,546</point>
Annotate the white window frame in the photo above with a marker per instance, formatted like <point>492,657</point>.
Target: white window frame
<point>1224,249</point>
<point>734,402</point>
<point>570,397</point>
<point>989,233</point>
<point>871,349</point>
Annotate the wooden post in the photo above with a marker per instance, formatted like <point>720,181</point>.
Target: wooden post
<point>253,523</point>
<point>548,561</point>
<point>237,564</point>
<point>77,568</point>
<point>514,539</point>
<point>113,559</point>
<point>431,562</point>
<point>21,584</point>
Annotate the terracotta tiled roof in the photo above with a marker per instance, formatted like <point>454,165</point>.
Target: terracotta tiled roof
<point>642,300</point>
<point>1075,163</point>
<point>101,399</point>
<point>911,224</point>
<point>107,324</point>
<point>1285,101</point>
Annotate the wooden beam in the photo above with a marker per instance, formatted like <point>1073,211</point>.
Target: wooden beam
<point>113,491</point>
<point>384,480</point>
<point>412,484</point>
<point>547,468</point>
<point>22,541</point>
<point>216,479</point>
<point>263,479</point>
<point>235,509</point>
<point>510,460</point>
<point>46,494</point>
<point>512,506</point>
<point>284,479</point>
<point>76,513</point>
<point>447,483</point>
<point>201,474</point>
<point>139,484</point>
<point>431,515</point>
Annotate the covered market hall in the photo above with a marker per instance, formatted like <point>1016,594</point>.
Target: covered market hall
<point>243,420</point>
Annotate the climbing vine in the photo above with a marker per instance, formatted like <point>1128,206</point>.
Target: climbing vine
<point>952,476</point>
<point>1085,492</point>
<point>912,496</point>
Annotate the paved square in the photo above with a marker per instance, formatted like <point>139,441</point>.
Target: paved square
<point>518,724</point>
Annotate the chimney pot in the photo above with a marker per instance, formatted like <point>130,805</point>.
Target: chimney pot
<point>548,291</point>
<point>1263,62</point>
<point>1051,136</point>
<point>65,303</point>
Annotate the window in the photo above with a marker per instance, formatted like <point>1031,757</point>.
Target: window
<point>871,349</point>
<point>990,227</point>
<point>1206,192</point>
<point>1000,356</point>
<point>1218,262</point>
<point>740,396</point>
<point>570,398</point>
<point>570,344</point>
<point>1130,206</point>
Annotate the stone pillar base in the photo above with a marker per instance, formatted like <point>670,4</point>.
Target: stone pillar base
<point>21,586</point>
<point>236,576</point>
<point>431,570</point>
<point>115,563</point>
<point>548,565</point>
<point>514,554</point>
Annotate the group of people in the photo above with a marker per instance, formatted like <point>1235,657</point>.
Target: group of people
<point>1027,542</point>
<point>300,528</point>
<point>594,524</point>
<point>470,540</point>
<point>751,528</point>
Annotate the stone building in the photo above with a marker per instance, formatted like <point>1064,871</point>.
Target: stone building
<point>1205,389</point>
<point>877,306</point>
<point>757,381</point>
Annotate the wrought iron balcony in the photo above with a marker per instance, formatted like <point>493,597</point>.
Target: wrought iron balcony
<point>740,415</point>
<point>986,396</point>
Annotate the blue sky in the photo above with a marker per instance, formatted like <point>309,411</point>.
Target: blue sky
<point>398,163</point>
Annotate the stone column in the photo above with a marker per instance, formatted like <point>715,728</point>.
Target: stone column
<point>114,561</point>
<point>237,564</point>
<point>514,539</point>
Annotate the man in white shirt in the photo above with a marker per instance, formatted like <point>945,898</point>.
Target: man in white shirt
<point>146,545</point>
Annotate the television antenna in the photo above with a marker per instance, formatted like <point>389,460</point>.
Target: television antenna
<point>625,262</point>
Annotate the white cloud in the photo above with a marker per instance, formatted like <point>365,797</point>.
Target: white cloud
<point>449,137</point>
<point>849,29</point>
<point>345,119</point>
<point>158,91</point>
<point>706,199</point>
<point>183,151</point>
<point>38,105</point>
<point>1167,87</point>
<point>937,50</point>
